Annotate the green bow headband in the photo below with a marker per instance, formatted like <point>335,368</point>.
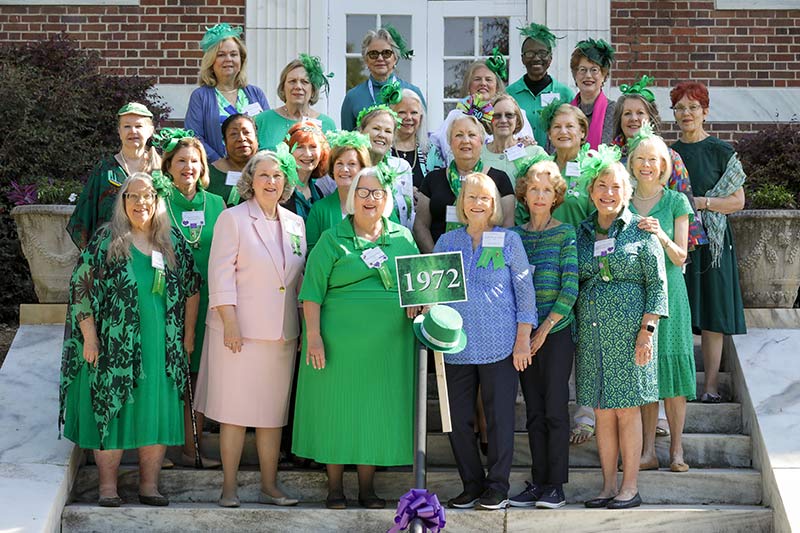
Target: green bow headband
<point>379,107</point>
<point>316,74</point>
<point>539,32</point>
<point>351,139</point>
<point>287,163</point>
<point>134,108</point>
<point>598,51</point>
<point>167,138</point>
<point>498,64</point>
<point>386,174</point>
<point>161,184</point>
<point>524,164</point>
<point>593,162</point>
<point>219,33</point>
<point>640,89</point>
<point>402,46</point>
<point>645,132</point>
<point>548,112</point>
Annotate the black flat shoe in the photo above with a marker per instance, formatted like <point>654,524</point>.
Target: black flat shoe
<point>155,501</point>
<point>111,501</point>
<point>336,502</point>
<point>636,501</point>
<point>373,502</point>
<point>598,503</point>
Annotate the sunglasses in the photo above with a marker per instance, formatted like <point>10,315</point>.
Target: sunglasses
<point>386,54</point>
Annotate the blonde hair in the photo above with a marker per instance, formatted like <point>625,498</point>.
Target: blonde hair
<point>517,111</point>
<point>661,150</point>
<point>207,76</point>
<point>122,232</point>
<point>470,118</point>
<point>467,81</point>
<point>580,116</point>
<point>245,183</point>
<point>188,142</point>
<point>618,170</point>
<point>350,203</point>
<point>546,168</point>
<point>480,179</point>
<point>296,63</point>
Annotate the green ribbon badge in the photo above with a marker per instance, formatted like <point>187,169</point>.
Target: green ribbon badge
<point>296,250</point>
<point>159,282</point>
<point>233,196</point>
<point>495,255</point>
<point>605,270</point>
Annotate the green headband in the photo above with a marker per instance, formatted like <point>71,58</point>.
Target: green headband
<point>386,174</point>
<point>316,74</point>
<point>548,112</point>
<point>539,32</point>
<point>351,139</point>
<point>498,64</point>
<point>598,51</point>
<point>379,107</point>
<point>287,163</point>
<point>525,163</point>
<point>402,46</point>
<point>593,162</point>
<point>167,138</point>
<point>219,33</point>
<point>161,184</point>
<point>645,132</point>
<point>134,108</point>
<point>639,89</point>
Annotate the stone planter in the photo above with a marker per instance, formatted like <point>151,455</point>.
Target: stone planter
<point>768,251</point>
<point>48,248</point>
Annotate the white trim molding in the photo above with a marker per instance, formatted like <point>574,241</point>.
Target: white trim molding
<point>757,4</point>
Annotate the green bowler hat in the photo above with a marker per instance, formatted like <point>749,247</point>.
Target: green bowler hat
<point>441,329</point>
<point>134,108</point>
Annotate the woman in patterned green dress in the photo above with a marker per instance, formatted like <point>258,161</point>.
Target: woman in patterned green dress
<point>623,293</point>
<point>134,298</point>
<point>667,215</point>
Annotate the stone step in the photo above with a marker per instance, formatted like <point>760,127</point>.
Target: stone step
<point>700,417</point>
<point>315,518</point>
<point>697,486</point>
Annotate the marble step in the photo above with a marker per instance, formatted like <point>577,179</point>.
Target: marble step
<point>697,486</point>
<point>700,417</point>
<point>306,518</point>
<point>704,450</point>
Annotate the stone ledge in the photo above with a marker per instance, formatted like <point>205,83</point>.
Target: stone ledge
<point>32,314</point>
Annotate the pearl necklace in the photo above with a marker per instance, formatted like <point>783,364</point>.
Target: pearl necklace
<point>645,199</point>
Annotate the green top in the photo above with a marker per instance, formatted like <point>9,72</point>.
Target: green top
<point>577,204</point>
<point>217,186</point>
<point>324,214</point>
<point>199,241</point>
<point>108,292</point>
<point>500,162</point>
<point>532,105</point>
<point>96,202</point>
<point>271,127</point>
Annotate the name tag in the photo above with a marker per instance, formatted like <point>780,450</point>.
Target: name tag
<point>450,215</point>
<point>604,247</point>
<point>493,239</point>
<point>292,227</point>
<point>232,178</point>
<point>548,98</point>
<point>253,109</point>
<point>314,121</point>
<point>157,260</point>
<point>515,152</point>
<point>374,257</point>
<point>572,170</point>
<point>193,219</point>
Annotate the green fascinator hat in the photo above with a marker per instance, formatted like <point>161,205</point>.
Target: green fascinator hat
<point>548,112</point>
<point>523,164</point>
<point>316,74</point>
<point>379,107</point>
<point>162,184</point>
<point>640,89</point>
<point>167,138</point>
<point>351,139</point>
<point>539,32</point>
<point>218,33</point>
<point>645,132</point>
<point>498,64</point>
<point>402,46</point>
<point>386,174</point>
<point>593,162</point>
<point>392,92</point>
<point>134,108</point>
<point>287,163</point>
<point>598,51</point>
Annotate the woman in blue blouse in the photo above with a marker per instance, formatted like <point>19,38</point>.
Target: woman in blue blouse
<point>223,88</point>
<point>498,319</point>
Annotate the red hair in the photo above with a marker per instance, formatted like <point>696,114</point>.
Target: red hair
<point>693,90</point>
<point>309,133</point>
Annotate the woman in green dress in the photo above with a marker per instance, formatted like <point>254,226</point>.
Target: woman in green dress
<point>133,305</point>
<point>96,202</point>
<point>622,295</point>
<point>712,277</point>
<point>299,86</point>
<point>667,215</point>
<point>355,392</point>
<point>241,143</point>
<point>349,154</point>
<point>193,211</point>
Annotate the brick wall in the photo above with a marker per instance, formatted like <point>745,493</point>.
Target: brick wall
<point>727,131</point>
<point>158,38</point>
<point>674,41</point>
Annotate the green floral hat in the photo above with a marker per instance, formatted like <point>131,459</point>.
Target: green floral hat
<point>287,163</point>
<point>402,46</point>
<point>645,132</point>
<point>539,32</point>
<point>351,139</point>
<point>640,88</point>
<point>593,162</point>
<point>167,138</point>
<point>316,74</point>
<point>219,33</point>
<point>382,107</point>
<point>523,164</point>
<point>134,108</point>
<point>597,51</point>
<point>498,64</point>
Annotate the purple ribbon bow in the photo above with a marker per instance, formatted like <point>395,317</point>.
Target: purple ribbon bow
<point>419,503</point>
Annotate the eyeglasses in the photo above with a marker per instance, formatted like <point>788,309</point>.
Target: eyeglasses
<point>147,197</point>
<point>541,54</point>
<point>507,116</point>
<point>386,54</point>
<point>694,108</point>
<point>582,71</point>
<point>364,193</point>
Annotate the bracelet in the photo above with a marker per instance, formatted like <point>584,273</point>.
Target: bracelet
<point>708,203</point>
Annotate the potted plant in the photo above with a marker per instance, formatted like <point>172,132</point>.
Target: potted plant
<point>767,231</point>
<point>42,208</point>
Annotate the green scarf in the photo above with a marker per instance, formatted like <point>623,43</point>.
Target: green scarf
<point>454,179</point>
<point>716,223</point>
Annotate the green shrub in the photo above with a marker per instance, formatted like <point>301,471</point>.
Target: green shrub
<point>770,196</point>
<point>771,159</point>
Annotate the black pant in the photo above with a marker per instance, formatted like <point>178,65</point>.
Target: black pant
<point>545,385</point>
<point>498,383</point>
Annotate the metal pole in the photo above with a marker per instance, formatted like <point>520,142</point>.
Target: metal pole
<point>420,429</point>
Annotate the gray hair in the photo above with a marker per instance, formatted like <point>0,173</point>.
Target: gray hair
<point>350,203</point>
<point>475,122</point>
<point>382,35</point>
<point>245,183</point>
<point>422,131</point>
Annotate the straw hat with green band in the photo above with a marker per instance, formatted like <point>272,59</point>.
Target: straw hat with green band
<point>134,108</point>
<point>441,329</point>
<point>219,33</point>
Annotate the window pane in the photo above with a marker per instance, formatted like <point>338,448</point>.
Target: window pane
<point>454,72</point>
<point>459,36</point>
<point>403,24</point>
<point>494,32</point>
<point>448,106</point>
<point>357,28</point>
<point>356,72</point>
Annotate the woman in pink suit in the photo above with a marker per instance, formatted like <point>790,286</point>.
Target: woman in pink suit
<point>245,379</point>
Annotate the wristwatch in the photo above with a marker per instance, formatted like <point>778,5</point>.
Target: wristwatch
<point>650,328</point>
<point>708,203</point>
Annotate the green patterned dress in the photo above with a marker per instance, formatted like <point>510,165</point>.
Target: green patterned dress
<point>133,397</point>
<point>609,315</point>
<point>676,367</point>
<point>96,202</point>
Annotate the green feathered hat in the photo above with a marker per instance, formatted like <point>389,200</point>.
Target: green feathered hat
<point>645,132</point>
<point>379,107</point>
<point>547,113</point>
<point>523,164</point>
<point>539,32</point>
<point>639,88</point>
<point>316,74</point>
<point>351,139</point>
<point>287,163</point>
<point>598,51</point>
<point>593,162</point>
<point>167,138</point>
<point>498,64</point>
<point>386,174</point>
<point>398,39</point>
